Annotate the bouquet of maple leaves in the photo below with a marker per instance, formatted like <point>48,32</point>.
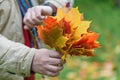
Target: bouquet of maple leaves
<point>68,33</point>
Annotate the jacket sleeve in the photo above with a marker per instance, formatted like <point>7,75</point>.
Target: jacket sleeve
<point>57,3</point>
<point>15,58</point>
<point>61,3</point>
<point>54,4</point>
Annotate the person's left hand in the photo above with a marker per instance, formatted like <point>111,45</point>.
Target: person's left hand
<point>35,15</point>
<point>47,62</point>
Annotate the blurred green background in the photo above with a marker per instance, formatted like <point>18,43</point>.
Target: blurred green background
<point>105,17</point>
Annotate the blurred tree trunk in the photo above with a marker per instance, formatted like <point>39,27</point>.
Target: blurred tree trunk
<point>116,3</point>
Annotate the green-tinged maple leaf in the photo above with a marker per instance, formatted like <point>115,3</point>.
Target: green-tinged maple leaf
<point>81,51</point>
<point>69,33</point>
<point>52,34</point>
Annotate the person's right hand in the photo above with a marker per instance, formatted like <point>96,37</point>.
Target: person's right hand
<point>47,62</point>
<point>35,15</point>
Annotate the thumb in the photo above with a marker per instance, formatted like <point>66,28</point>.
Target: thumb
<point>43,17</point>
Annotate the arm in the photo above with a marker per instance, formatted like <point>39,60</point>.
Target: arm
<point>17,59</point>
<point>14,57</point>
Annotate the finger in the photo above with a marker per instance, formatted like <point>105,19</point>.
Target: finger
<point>55,61</point>
<point>64,61</point>
<point>43,17</point>
<point>38,14</point>
<point>27,20</point>
<point>39,17</point>
<point>52,74</point>
<point>28,25</point>
<point>55,54</point>
<point>52,68</point>
<point>34,18</point>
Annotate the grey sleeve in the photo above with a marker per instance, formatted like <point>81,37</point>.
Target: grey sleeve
<point>15,58</point>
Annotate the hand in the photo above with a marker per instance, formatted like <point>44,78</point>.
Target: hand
<point>35,15</point>
<point>46,62</point>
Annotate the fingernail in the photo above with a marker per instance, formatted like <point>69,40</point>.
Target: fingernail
<point>42,17</point>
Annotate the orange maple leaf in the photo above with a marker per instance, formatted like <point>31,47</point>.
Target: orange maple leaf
<point>87,41</point>
<point>52,33</point>
<point>69,33</point>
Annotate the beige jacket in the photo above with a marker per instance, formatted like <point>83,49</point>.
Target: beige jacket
<point>16,58</point>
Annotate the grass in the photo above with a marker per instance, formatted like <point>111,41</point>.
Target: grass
<point>105,19</point>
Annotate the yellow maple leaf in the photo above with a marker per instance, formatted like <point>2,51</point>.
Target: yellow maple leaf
<point>52,35</point>
<point>69,33</point>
